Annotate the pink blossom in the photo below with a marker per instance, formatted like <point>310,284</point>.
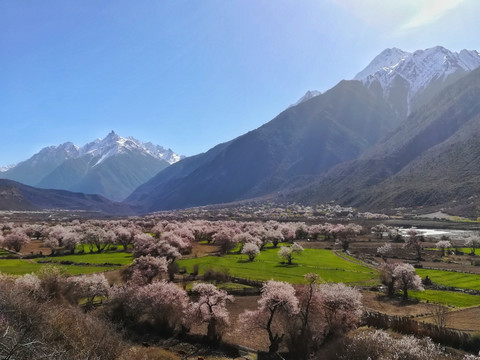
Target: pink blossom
<point>211,308</point>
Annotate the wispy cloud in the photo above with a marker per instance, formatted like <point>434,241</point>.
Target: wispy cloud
<point>398,15</point>
<point>430,11</point>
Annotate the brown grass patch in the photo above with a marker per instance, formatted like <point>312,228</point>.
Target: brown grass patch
<point>202,250</point>
<point>465,319</point>
<point>381,303</point>
<point>35,247</point>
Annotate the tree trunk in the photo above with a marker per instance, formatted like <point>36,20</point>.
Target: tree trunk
<point>275,341</point>
<point>211,331</point>
<point>419,253</point>
<point>391,289</point>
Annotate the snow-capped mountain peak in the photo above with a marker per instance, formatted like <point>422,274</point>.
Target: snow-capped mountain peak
<point>308,95</point>
<point>99,150</point>
<point>160,152</point>
<point>400,72</point>
<point>112,144</point>
<point>86,169</point>
<point>388,58</point>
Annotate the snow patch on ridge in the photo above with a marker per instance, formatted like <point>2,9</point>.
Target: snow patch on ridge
<point>418,69</point>
<point>101,149</point>
<point>7,167</point>
<point>308,95</point>
<point>114,144</point>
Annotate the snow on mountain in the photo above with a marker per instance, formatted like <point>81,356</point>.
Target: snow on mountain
<point>308,95</point>
<point>55,154</point>
<point>7,167</point>
<point>415,71</point>
<point>382,62</point>
<point>159,152</point>
<point>101,149</point>
<point>113,144</point>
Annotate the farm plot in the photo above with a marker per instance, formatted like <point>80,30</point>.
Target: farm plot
<point>464,319</point>
<point>452,298</point>
<point>21,267</point>
<point>267,265</point>
<point>451,278</point>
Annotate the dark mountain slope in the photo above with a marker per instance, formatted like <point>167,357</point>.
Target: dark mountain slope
<point>63,176</point>
<point>16,196</point>
<point>115,178</point>
<point>300,143</point>
<point>432,158</point>
<point>12,199</point>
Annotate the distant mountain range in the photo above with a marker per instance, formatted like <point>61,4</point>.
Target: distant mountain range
<point>403,133</point>
<point>310,150</point>
<point>112,167</point>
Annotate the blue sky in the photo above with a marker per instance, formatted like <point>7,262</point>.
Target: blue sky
<point>191,74</point>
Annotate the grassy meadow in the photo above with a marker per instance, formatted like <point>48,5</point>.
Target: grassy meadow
<point>457,299</point>
<point>21,267</point>
<point>451,278</point>
<point>267,265</point>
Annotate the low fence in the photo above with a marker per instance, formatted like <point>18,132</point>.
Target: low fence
<point>407,325</point>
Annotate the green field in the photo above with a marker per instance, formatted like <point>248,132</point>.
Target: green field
<point>21,267</point>
<point>121,258</point>
<point>4,253</point>
<point>83,248</point>
<point>465,250</point>
<point>268,266</point>
<point>457,299</point>
<point>468,251</point>
<point>450,278</point>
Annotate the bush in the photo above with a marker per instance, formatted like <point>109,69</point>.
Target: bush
<point>195,269</point>
<point>216,275</point>
<point>378,344</point>
<point>142,353</point>
<point>398,239</point>
<point>38,329</point>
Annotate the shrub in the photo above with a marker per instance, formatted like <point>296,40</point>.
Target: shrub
<point>150,353</point>
<point>216,275</point>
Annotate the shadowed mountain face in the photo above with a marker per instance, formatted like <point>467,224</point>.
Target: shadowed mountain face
<point>16,196</point>
<point>115,177</point>
<point>432,158</point>
<point>298,145</point>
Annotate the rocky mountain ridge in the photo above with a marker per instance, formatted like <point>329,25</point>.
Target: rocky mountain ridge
<point>113,166</point>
